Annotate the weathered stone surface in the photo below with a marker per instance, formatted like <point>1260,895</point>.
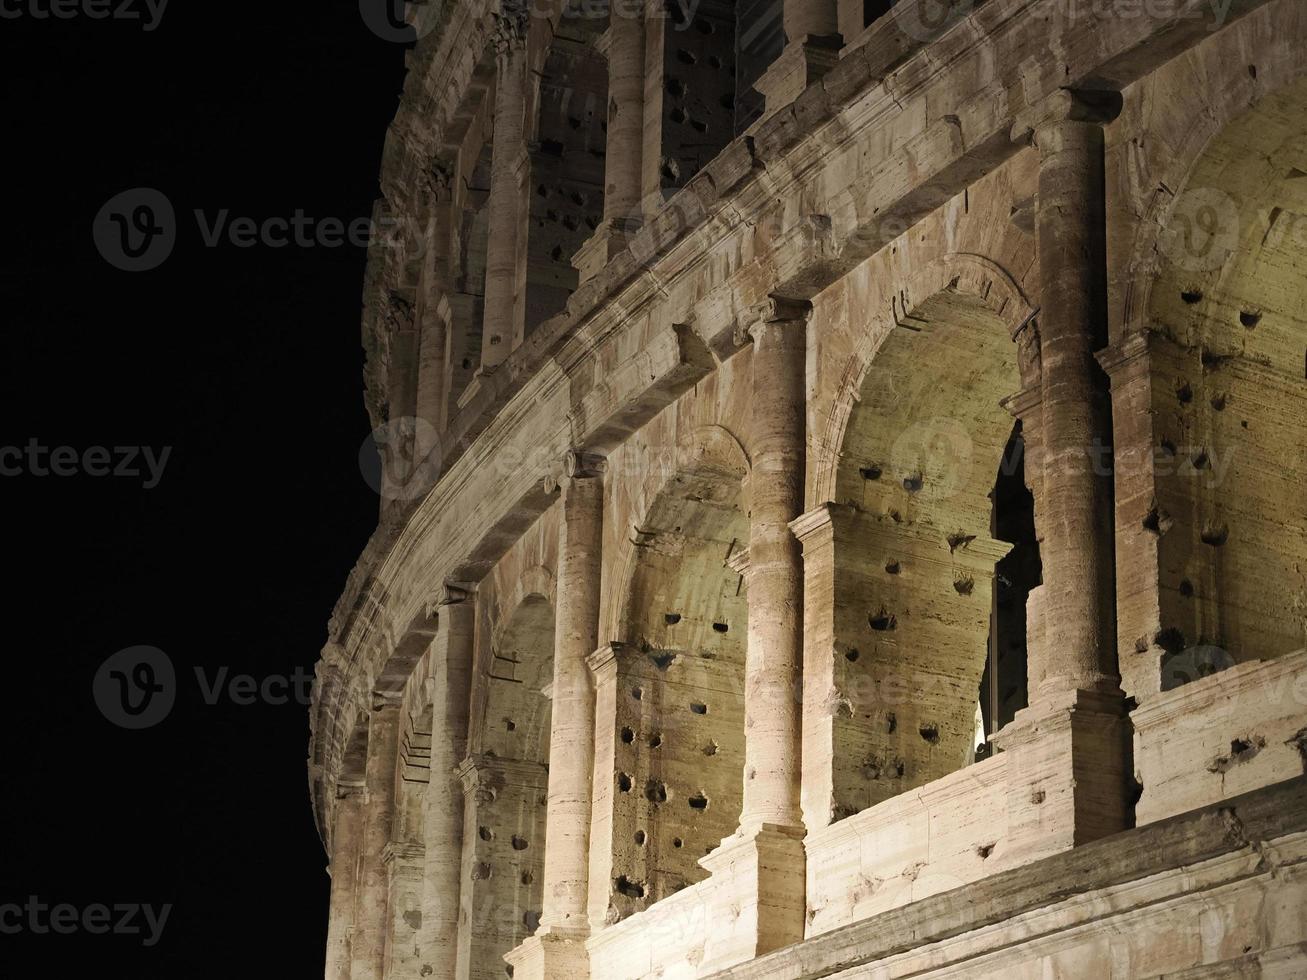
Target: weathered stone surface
<point>925,439</point>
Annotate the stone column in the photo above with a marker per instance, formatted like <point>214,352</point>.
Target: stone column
<point>758,894</point>
<point>501,328</point>
<point>775,577</point>
<point>368,947</point>
<point>624,43</point>
<point>812,48</point>
<point>346,834</point>
<point>404,863</point>
<point>557,949</point>
<point>451,663</point>
<point>1069,751</point>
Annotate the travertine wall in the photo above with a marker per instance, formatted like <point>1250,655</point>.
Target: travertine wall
<point>1073,237</point>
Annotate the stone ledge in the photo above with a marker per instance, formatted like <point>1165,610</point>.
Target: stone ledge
<point>1241,826</point>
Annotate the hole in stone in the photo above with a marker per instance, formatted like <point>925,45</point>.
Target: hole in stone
<point>698,125</point>
<point>985,850</point>
<point>542,191</point>
<point>705,27</point>
<point>1252,73</point>
<point>1169,639</point>
<point>510,725</point>
<point>1156,522</point>
<point>520,843</point>
<point>959,540</point>
<point>508,970</point>
<point>569,223</point>
<point>698,802</point>
<point>720,627</point>
<point>1186,588</point>
<point>628,736</point>
<point>892,567</point>
<point>637,693</point>
<point>624,782</point>
<point>655,740</point>
<point>698,707</point>
<point>727,102</point>
<point>671,171</point>
<point>1037,797</point>
<point>677,842</point>
<point>1184,393</point>
<point>686,57</point>
<point>485,833</point>
<point>912,483</point>
<point>1218,402</point>
<point>714,61</point>
<point>556,252</point>
<point>639,837</point>
<point>965,586</point>
<point>578,199</point>
<point>710,748</point>
<point>1215,534</point>
<point>883,621</point>
<point>870,472</point>
<point>1192,296</point>
<point>663,660</point>
<point>676,88</point>
<point>929,733</point>
<point>1250,318</point>
<point>852,656</point>
<point>1200,460</point>
<point>574,122</point>
<point>531,919</point>
<point>467,363</point>
<point>655,792</point>
<point>481,871</point>
<point>671,619</point>
<point>527,877</point>
<point>891,722</point>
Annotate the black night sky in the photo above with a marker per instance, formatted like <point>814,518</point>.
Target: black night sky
<point>245,364</point>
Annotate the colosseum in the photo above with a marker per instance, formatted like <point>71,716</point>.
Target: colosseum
<point>844,497</point>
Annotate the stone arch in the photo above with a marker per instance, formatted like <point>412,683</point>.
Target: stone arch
<point>671,697</point>
<point>1211,410</point>
<point>505,780</point>
<point>960,273</point>
<point>1231,87</point>
<point>908,549</point>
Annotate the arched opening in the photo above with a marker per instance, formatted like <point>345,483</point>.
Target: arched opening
<point>1212,506</point>
<point>507,782</point>
<point>678,718</point>
<point>933,553</point>
<point>566,190</point>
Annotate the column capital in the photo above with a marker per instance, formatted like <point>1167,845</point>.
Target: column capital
<point>775,311</point>
<point>511,26</point>
<point>581,465</point>
<point>605,657</point>
<point>383,700</point>
<point>405,855</point>
<point>454,593</point>
<point>1067,105</point>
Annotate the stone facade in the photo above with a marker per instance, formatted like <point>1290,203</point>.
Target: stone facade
<point>845,499</point>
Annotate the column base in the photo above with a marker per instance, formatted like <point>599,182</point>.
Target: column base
<point>609,239</point>
<point>799,65</point>
<point>1069,772</point>
<point>759,895</point>
<point>551,953</point>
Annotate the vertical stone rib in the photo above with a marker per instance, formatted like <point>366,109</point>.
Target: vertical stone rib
<point>368,946</point>
<point>345,841</point>
<point>571,742</point>
<point>622,163</point>
<point>443,804</point>
<point>508,153</point>
<point>775,578</point>
<point>1077,549</point>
